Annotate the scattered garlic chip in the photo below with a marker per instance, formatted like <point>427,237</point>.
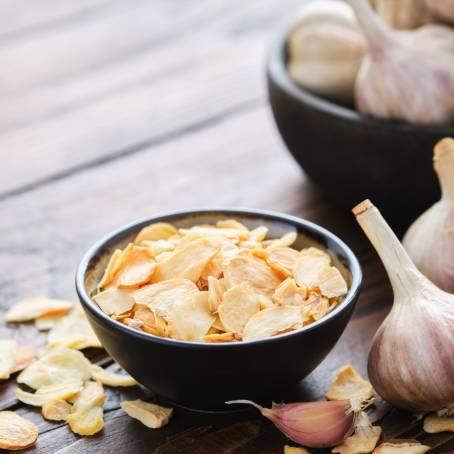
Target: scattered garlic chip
<point>161,296</point>
<point>24,356</point>
<point>404,447</point>
<point>111,269</point>
<point>215,293</point>
<point>272,321</point>
<point>31,308</point>
<point>55,367</point>
<point>434,424</point>
<point>359,442</point>
<point>113,301</point>
<point>295,450</point>
<point>252,271</point>
<point>188,262</point>
<point>348,384</point>
<point>241,302</point>
<point>219,337</point>
<point>109,378</point>
<point>7,357</point>
<point>283,259</point>
<point>308,267</point>
<point>331,283</point>
<point>46,394</point>
<point>56,410</point>
<point>73,331</point>
<point>289,294</point>
<point>136,268</point>
<point>86,417</point>
<point>155,232</point>
<point>16,432</point>
<point>47,322</point>
<point>151,415</point>
<point>190,318</point>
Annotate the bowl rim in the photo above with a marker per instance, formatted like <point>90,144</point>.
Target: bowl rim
<point>90,306</point>
<point>277,73</point>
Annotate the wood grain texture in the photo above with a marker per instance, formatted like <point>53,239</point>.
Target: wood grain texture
<point>117,110</point>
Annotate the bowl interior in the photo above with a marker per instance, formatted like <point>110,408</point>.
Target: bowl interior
<point>308,234</point>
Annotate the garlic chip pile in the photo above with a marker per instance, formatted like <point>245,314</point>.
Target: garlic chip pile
<point>218,283</point>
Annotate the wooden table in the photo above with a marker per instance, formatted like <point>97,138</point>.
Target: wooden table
<point>116,110</point>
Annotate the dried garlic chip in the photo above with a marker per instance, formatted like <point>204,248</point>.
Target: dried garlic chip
<point>331,283</point>
<point>188,262</point>
<point>217,325</point>
<point>272,321</point>
<point>61,391</point>
<point>190,318</point>
<point>295,450</point>
<point>158,247</point>
<point>254,272</point>
<point>113,301</point>
<point>308,267</point>
<point>16,432</point>
<point>24,356</point>
<point>348,384</point>
<point>231,224</point>
<point>111,269</point>
<point>73,331</point>
<point>151,415</point>
<point>109,378</point>
<point>289,294</point>
<point>215,293</point>
<point>133,323</point>
<point>434,424</point>
<point>136,268</point>
<point>258,234</point>
<point>155,232</point>
<point>86,417</point>
<point>55,367</point>
<point>7,357</point>
<point>150,321</point>
<point>404,447</point>
<point>56,410</point>
<point>31,308</point>
<point>283,259</point>
<point>209,231</point>
<point>161,296</point>
<point>316,306</point>
<point>359,442</point>
<point>219,337</point>
<point>240,303</point>
<point>47,322</point>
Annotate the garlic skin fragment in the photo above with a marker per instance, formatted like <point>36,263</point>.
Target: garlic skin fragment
<point>325,49</point>
<point>411,361</point>
<point>430,239</point>
<point>422,92</point>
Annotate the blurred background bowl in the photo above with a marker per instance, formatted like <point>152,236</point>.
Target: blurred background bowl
<point>351,157</point>
<point>202,375</point>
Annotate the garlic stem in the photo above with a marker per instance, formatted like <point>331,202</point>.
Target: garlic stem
<point>377,32</point>
<point>402,273</point>
<point>444,166</point>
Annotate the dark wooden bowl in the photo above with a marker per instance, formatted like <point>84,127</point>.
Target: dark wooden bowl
<point>204,376</point>
<point>350,156</point>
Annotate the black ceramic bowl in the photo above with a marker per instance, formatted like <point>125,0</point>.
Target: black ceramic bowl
<point>350,156</point>
<point>204,376</point>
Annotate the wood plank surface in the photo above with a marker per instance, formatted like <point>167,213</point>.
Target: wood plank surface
<point>118,110</point>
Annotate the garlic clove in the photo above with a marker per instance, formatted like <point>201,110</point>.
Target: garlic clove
<point>422,93</point>
<point>430,239</point>
<point>411,361</point>
<point>312,424</point>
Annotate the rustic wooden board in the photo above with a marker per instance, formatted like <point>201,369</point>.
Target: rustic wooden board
<point>113,111</point>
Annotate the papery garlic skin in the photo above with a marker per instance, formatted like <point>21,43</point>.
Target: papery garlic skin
<point>325,49</point>
<point>401,14</point>
<point>430,239</point>
<point>411,361</point>
<point>405,75</point>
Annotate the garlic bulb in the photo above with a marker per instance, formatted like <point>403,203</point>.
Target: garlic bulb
<point>430,240</point>
<point>406,75</point>
<point>400,14</point>
<point>411,362</point>
<point>325,48</point>
<point>440,10</point>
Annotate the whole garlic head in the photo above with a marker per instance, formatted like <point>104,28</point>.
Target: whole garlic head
<point>325,49</point>
<point>406,75</point>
